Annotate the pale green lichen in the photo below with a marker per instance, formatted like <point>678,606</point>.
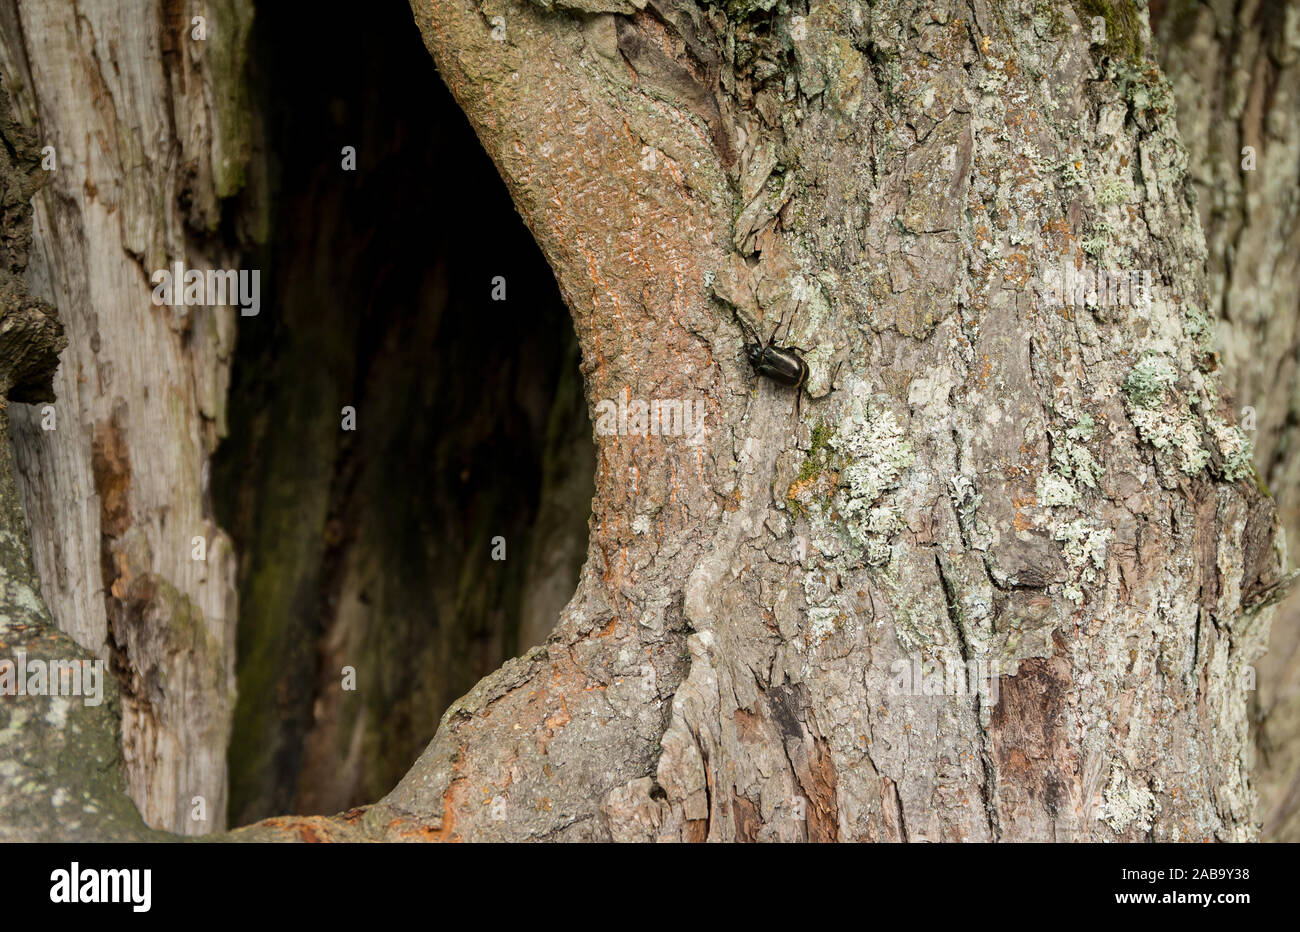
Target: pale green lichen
<point>966,500</point>
<point>738,11</point>
<point>822,621</point>
<point>1236,449</point>
<point>1173,432</point>
<point>1149,380</point>
<point>1111,190</point>
<point>1095,243</point>
<point>1074,462</point>
<point>1072,471</point>
<point>993,80</point>
<point>841,490</point>
<point>1163,417</point>
<point>1072,467</point>
<point>882,524</point>
<point>1199,327</point>
<point>1084,547</point>
<point>1146,89</point>
<point>1073,174</point>
<point>1055,491</point>
<point>1125,803</point>
<point>847,472</point>
<point>1082,429</point>
<point>876,453</point>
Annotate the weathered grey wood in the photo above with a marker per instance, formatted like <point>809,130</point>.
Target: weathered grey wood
<point>59,777</point>
<point>149,133</point>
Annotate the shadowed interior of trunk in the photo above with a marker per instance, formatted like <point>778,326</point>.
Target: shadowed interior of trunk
<point>373,548</point>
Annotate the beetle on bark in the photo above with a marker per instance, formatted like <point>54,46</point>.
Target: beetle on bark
<point>781,364</point>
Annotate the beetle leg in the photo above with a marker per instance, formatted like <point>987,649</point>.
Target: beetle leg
<point>799,389</point>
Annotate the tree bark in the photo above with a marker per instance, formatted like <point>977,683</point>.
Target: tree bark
<point>1058,494</point>
<point>994,481</point>
<point>1235,69</point>
<point>148,136</point>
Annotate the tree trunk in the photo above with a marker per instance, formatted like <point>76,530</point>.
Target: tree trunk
<point>1235,69</point>
<point>1059,494</point>
<point>60,773</point>
<point>1054,495</point>
<point>147,134</point>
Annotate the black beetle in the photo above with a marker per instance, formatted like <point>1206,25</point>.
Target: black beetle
<point>779,363</point>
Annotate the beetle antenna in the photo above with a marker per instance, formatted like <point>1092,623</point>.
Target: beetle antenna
<point>750,333</point>
<point>772,341</point>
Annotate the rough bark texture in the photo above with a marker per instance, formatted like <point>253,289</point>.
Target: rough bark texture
<point>1235,69</point>
<point>149,136</point>
<point>1059,493</point>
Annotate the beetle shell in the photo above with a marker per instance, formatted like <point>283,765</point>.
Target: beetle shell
<point>778,364</point>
